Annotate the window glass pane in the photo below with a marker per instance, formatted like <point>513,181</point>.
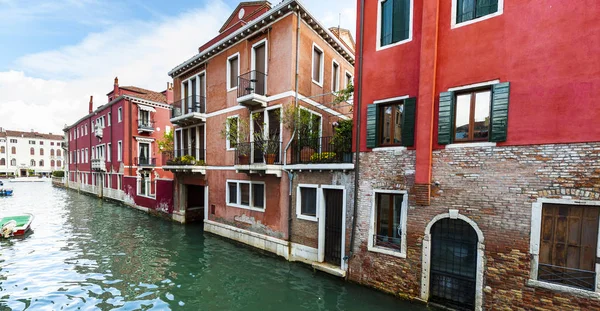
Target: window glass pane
<point>383,211</point>
<point>463,112</point>
<point>232,192</point>
<point>386,22</point>
<point>485,7</point>
<point>233,75</point>
<point>397,218</point>
<point>258,195</point>
<point>317,65</point>
<point>398,109</point>
<point>482,115</point>
<point>308,201</point>
<point>335,82</point>
<point>465,10</point>
<point>386,120</point>
<point>245,193</point>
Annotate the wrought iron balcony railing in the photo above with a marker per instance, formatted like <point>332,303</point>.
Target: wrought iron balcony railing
<point>321,150</point>
<point>258,152</point>
<point>253,82</point>
<point>185,156</point>
<point>145,161</point>
<point>188,105</point>
<point>146,125</point>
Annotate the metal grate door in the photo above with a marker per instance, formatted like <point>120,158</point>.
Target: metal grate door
<point>333,225</point>
<point>453,264</point>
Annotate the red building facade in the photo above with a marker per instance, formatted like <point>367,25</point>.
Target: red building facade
<point>113,152</point>
<point>478,152</point>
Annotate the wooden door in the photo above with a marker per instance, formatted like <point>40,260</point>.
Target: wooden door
<point>333,225</point>
<point>260,67</point>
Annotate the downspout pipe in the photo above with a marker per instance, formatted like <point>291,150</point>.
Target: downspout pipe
<point>357,123</point>
<point>290,174</point>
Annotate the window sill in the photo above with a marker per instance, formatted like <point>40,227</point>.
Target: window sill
<point>231,89</point>
<point>379,47</point>
<point>473,21</point>
<point>317,83</point>
<point>563,288</point>
<point>262,210</point>
<point>387,251</point>
<point>309,218</point>
<point>146,196</point>
<point>389,148</point>
<point>471,145</point>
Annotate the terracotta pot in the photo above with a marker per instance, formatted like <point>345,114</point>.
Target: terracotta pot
<point>244,159</point>
<point>270,158</point>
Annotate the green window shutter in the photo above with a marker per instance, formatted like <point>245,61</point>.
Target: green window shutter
<point>372,122</point>
<point>499,111</point>
<point>408,122</point>
<point>446,118</point>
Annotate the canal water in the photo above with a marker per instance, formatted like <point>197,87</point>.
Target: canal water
<point>89,254</point>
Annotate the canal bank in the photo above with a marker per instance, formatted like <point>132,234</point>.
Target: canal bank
<point>89,253</point>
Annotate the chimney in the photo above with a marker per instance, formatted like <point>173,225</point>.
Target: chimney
<point>91,103</point>
<point>169,94</point>
<point>116,88</point>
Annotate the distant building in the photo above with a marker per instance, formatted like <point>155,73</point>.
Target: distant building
<point>113,150</point>
<point>29,153</point>
<point>265,61</point>
<point>479,161</point>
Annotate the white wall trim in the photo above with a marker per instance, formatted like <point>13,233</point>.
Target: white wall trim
<point>229,88</point>
<point>404,214</point>
<point>474,85</point>
<point>389,100</point>
<point>321,65</point>
<point>454,25</point>
<point>425,268</point>
<point>471,145</point>
<point>378,46</point>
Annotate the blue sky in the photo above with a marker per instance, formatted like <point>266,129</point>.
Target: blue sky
<point>55,54</point>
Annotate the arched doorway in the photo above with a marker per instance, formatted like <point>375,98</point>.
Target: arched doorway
<point>453,264</point>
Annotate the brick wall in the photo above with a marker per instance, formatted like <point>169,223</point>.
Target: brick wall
<point>493,186</point>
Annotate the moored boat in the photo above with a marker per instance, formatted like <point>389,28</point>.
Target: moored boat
<point>6,192</point>
<point>15,225</point>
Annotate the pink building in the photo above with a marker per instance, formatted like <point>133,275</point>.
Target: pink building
<point>112,152</point>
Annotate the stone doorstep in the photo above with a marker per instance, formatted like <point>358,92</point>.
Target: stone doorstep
<point>329,268</point>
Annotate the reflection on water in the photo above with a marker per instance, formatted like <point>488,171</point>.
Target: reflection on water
<point>88,254</point>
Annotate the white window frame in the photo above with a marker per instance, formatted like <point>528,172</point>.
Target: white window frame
<point>149,149</point>
<point>227,142</point>
<point>534,248</point>
<point>378,46</point>
<point>251,193</point>
<point>321,65</point>
<point>120,114</point>
<point>318,114</point>
<point>346,74</point>
<point>108,117</point>
<point>339,72</point>
<point>253,59</point>
<point>403,214</point>
<point>229,88</point>
<point>148,182</point>
<point>120,151</point>
<point>454,25</point>
<point>299,214</point>
<point>108,152</point>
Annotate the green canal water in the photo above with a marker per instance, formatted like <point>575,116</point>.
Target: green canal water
<point>88,254</point>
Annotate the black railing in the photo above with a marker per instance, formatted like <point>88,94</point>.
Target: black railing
<point>258,152</point>
<point>185,156</point>
<point>387,242</point>
<point>320,150</point>
<point>146,125</point>
<point>253,82</point>
<point>187,105</point>
<point>567,276</point>
<point>144,161</point>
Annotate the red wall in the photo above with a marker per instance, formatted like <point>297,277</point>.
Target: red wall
<point>547,50</point>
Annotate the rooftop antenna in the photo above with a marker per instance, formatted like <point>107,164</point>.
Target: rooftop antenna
<point>339,22</point>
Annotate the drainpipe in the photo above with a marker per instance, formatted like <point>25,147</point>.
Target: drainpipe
<point>357,124</point>
<point>290,174</point>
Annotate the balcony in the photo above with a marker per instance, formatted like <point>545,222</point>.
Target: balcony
<point>252,89</point>
<point>187,160</point>
<point>99,131</point>
<point>98,165</point>
<point>145,162</point>
<point>260,157</point>
<point>145,126</point>
<point>189,111</point>
<point>320,153</point>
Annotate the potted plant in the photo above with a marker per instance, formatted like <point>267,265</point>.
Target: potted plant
<point>270,148</point>
<point>237,132</point>
<point>308,132</point>
<point>188,160</point>
<point>342,140</point>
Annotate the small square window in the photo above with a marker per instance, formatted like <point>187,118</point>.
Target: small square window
<point>308,201</point>
<point>395,20</point>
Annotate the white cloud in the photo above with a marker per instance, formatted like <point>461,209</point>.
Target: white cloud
<point>52,88</point>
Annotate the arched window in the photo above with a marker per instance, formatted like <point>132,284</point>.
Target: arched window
<point>13,162</point>
<point>51,163</point>
<point>51,152</point>
<point>32,163</point>
<point>13,150</point>
<point>41,162</point>
<point>2,161</point>
<point>41,151</point>
<point>58,153</point>
<point>2,149</point>
<point>32,151</point>
<point>58,163</point>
